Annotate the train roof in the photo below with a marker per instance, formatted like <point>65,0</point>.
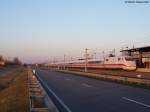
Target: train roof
<point>142,49</point>
<point>82,61</point>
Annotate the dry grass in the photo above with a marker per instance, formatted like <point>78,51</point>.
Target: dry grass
<point>5,80</point>
<point>14,93</point>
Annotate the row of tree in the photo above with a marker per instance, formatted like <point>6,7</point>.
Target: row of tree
<point>14,61</point>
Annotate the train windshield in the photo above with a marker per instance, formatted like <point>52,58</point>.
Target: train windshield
<point>128,59</point>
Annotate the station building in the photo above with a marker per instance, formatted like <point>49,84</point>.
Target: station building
<point>141,55</point>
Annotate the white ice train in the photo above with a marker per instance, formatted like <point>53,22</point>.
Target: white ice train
<point>114,62</point>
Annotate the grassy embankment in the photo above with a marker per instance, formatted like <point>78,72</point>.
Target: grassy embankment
<point>14,92</point>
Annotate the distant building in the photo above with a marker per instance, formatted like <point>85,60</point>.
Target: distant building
<point>141,55</point>
<point>2,63</point>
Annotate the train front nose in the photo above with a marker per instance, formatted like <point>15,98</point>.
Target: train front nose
<point>130,65</point>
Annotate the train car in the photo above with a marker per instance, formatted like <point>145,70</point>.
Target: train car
<point>120,62</point>
<point>108,63</point>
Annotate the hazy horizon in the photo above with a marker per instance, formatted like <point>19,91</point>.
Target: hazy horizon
<point>39,30</point>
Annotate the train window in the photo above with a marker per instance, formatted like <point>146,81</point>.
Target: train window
<point>129,59</point>
<point>70,63</point>
<point>94,61</point>
<point>106,59</point>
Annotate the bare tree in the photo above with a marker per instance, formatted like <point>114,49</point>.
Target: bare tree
<point>16,61</point>
<point>1,58</point>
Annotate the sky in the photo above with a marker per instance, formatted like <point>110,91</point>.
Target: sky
<point>41,30</point>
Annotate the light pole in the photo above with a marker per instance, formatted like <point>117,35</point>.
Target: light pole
<point>103,57</point>
<point>54,61</point>
<point>114,52</point>
<point>64,60</point>
<point>86,59</point>
<point>95,55</point>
